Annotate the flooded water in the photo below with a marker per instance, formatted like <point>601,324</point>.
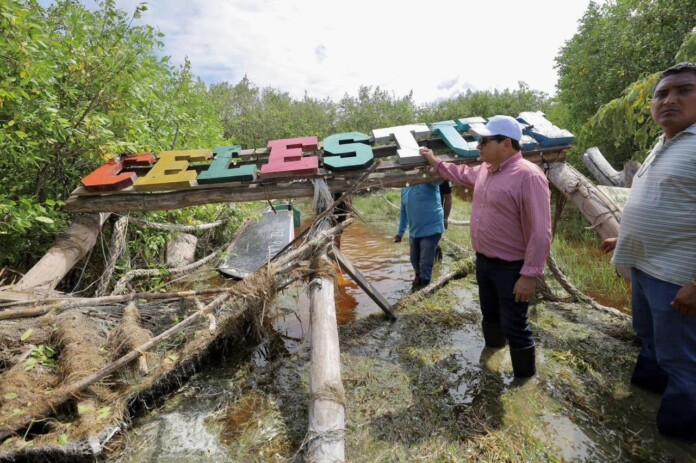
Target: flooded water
<point>385,264</point>
<point>189,425</point>
<point>181,430</point>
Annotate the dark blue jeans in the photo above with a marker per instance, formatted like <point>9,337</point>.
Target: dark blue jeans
<point>422,253</point>
<point>667,358</point>
<point>496,279</point>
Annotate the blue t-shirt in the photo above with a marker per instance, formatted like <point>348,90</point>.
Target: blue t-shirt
<point>421,210</point>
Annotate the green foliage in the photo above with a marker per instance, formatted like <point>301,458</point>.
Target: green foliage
<point>687,51</point>
<point>487,104</point>
<point>41,355</point>
<point>623,128</point>
<point>252,117</point>
<point>78,86</point>
<point>374,108</point>
<point>618,43</point>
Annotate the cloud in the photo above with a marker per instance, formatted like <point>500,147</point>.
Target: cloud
<point>329,49</point>
<point>320,53</point>
<point>447,84</point>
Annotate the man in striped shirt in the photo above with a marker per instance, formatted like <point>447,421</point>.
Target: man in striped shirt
<point>510,232</point>
<point>657,240</point>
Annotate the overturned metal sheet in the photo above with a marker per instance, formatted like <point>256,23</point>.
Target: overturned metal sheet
<point>258,244</point>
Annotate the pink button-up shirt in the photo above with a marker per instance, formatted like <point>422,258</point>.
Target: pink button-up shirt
<point>511,212</point>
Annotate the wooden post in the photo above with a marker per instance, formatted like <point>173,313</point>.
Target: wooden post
<point>601,212</point>
<point>597,164</point>
<point>363,282</point>
<point>326,410</point>
<point>68,250</point>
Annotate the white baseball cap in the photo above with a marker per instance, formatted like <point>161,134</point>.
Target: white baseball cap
<point>500,125</point>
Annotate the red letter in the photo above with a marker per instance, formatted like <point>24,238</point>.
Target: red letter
<point>109,177</point>
<point>286,157</point>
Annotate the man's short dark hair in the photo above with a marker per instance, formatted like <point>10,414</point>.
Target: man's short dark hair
<point>680,68</point>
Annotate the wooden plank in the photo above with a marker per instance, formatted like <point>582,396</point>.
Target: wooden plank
<point>379,152</point>
<point>384,165</point>
<point>361,281</point>
<point>389,174</point>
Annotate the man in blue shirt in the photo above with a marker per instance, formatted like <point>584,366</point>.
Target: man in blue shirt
<point>446,201</point>
<point>421,212</point>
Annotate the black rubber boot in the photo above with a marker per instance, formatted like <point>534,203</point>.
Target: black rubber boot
<point>523,362</point>
<point>493,335</point>
<point>649,375</point>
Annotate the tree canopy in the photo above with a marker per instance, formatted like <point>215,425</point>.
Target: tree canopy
<point>78,86</point>
<point>616,44</point>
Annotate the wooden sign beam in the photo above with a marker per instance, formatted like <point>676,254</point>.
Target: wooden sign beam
<point>388,174</point>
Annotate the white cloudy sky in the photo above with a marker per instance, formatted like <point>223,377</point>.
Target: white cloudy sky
<point>436,48</point>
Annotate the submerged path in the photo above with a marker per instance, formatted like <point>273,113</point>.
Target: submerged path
<point>419,389</point>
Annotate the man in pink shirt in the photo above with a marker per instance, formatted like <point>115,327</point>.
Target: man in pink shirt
<point>510,232</point>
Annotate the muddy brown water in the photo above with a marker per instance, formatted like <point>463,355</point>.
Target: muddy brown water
<point>384,263</point>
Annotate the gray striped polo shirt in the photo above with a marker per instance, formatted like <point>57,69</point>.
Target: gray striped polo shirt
<point>658,228</point>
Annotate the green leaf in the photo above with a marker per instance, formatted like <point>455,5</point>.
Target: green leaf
<point>43,219</point>
<point>103,413</point>
<point>63,439</point>
<point>82,409</point>
<point>30,363</point>
<point>27,334</point>
<point>10,396</point>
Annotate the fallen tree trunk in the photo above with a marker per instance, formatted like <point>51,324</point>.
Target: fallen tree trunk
<point>605,174</point>
<point>74,303</point>
<point>175,227</point>
<point>248,298</point>
<point>597,164</point>
<point>597,208</point>
<point>467,266</point>
<point>68,249</point>
<point>65,303</point>
<point>326,430</point>
<point>116,248</point>
<point>580,297</point>
<point>181,250</point>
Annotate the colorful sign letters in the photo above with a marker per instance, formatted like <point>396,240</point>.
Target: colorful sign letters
<point>288,157</point>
